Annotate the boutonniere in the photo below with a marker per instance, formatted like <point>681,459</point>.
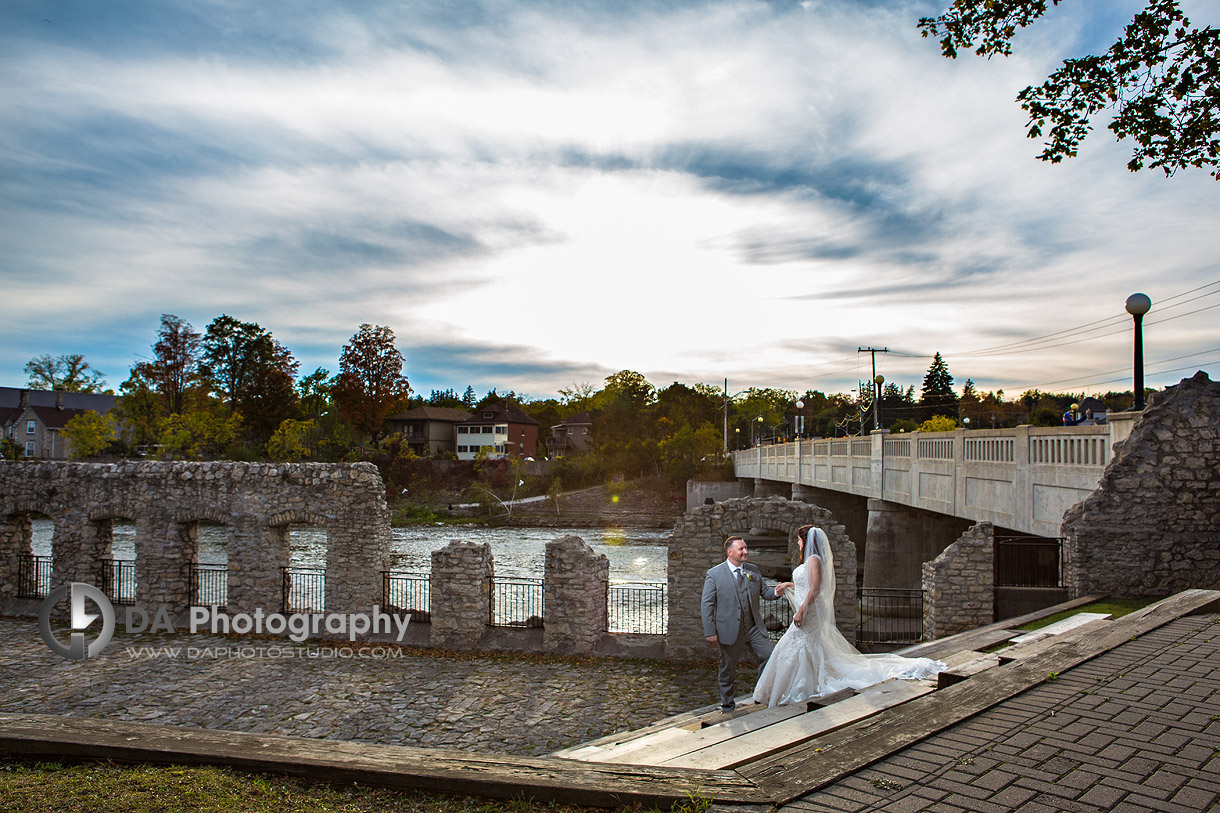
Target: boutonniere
<point>749,576</point>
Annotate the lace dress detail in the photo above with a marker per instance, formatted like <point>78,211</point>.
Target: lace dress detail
<point>815,659</point>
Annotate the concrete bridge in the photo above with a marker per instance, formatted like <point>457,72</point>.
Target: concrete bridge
<point>908,496</point>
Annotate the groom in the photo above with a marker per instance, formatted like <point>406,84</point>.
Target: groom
<point>731,618</point>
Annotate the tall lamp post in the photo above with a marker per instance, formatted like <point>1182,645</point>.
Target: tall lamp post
<point>800,419</point>
<point>877,382</point>
<point>1137,306</point>
<point>760,428</point>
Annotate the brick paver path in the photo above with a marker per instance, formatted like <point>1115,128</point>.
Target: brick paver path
<point>1136,729</point>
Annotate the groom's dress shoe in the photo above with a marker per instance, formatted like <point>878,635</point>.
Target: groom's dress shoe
<point>727,709</point>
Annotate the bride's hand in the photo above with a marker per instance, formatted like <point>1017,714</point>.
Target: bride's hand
<point>799,616</point>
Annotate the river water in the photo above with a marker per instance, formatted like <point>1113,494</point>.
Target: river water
<point>635,554</point>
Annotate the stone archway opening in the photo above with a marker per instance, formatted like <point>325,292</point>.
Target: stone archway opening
<point>305,573</point>
<point>27,538</point>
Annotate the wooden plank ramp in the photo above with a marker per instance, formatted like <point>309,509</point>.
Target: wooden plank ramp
<point>731,752</point>
<point>482,774</point>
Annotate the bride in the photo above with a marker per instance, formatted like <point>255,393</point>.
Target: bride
<point>813,658</point>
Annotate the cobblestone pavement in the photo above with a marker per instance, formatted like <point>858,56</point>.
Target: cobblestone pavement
<point>505,704</point>
<point>1135,729</point>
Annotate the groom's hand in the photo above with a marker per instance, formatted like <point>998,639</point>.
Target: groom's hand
<point>713,639</point>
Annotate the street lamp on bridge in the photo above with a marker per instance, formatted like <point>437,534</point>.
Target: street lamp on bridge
<point>1137,306</point>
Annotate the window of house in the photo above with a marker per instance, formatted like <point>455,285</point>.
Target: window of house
<point>486,430</point>
<point>503,430</point>
<point>462,430</point>
<point>29,448</point>
<point>30,427</point>
<point>461,449</point>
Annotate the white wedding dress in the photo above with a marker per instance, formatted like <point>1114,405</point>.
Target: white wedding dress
<point>815,659</point>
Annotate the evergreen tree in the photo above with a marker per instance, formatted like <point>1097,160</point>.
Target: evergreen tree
<point>937,396</point>
<point>469,399</point>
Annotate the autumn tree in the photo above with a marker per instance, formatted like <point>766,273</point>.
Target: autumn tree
<point>67,373</point>
<point>1161,79</point>
<point>90,433</point>
<point>165,385</point>
<point>370,384</point>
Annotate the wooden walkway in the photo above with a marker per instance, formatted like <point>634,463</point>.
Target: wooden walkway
<point>755,756</point>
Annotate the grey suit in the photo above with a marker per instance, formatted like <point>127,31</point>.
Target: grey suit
<point>731,613</point>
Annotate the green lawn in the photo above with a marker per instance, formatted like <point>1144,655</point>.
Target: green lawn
<point>35,786</point>
<point>1116,607</point>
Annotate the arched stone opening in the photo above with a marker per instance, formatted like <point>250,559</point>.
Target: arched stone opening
<point>26,552</point>
<point>205,535</point>
<point>697,544</point>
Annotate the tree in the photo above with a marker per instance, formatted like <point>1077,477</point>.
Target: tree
<point>370,384</point>
<point>90,433</point>
<point>469,399</point>
<point>1162,78</point>
<point>937,397</point>
<point>174,368</point>
<point>68,373</point>
<point>251,372</point>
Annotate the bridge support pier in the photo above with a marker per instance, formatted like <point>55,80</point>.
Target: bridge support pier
<point>900,539</point>
<point>769,488</point>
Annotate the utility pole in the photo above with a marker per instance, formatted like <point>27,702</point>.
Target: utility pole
<point>873,351</point>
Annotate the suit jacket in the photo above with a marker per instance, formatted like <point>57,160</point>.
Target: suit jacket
<point>721,611</point>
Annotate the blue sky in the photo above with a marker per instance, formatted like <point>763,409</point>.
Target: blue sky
<point>536,195</point>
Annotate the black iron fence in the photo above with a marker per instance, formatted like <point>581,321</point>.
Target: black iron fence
<point>1028,561</point>
<point>119,580</point>
<point>777,616</point>
<point>889,616</point>
<point>209,585</point>
<point>304,590</point>
<point>516,602</point>
<point>406,592</point>
<point>638,607</point>
<point>33,576</point>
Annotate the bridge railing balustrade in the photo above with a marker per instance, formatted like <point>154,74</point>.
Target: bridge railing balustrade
<point>989,450</point>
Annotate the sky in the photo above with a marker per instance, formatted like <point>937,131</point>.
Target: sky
<point>536,195</point>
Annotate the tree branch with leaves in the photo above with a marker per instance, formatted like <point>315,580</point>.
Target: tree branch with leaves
<point>1161,79</point>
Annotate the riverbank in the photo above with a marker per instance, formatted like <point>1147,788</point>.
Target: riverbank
<point>648,503</point>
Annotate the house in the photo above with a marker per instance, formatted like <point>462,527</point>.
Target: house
<point>428,430</point>
<point>502,429</point>
<point>571,436</point>
<point>34,419</point>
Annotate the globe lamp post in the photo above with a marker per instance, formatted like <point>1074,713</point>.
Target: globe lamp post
<point>800,419</point>
<point>1137,306</point>
<point>877,382</point>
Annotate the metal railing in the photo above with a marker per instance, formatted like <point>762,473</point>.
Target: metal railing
<point>516,602</point>
<point>304,590</point>
<point>119,580</point>
<point>777,616</point>
<point>890,616</point>
<point>33,575</point>
<point>209,585</point>
<point>407,592</point>
<point>1028,561</point>
<point>638,607</point>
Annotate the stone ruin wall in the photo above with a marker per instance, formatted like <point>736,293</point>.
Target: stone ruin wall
<point>959,585</point>
<point>697,544</point>
<point>1152,527</point>
<point>166,501</point>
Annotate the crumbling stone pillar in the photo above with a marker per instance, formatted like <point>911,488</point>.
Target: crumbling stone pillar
<point>16,535</point>
<point>574,593</point>
<point>461,583</point>
<point>959,584</point>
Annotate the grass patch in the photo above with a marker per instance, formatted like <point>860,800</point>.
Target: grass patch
<point>33,786</point>
<point>1116,607</point>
